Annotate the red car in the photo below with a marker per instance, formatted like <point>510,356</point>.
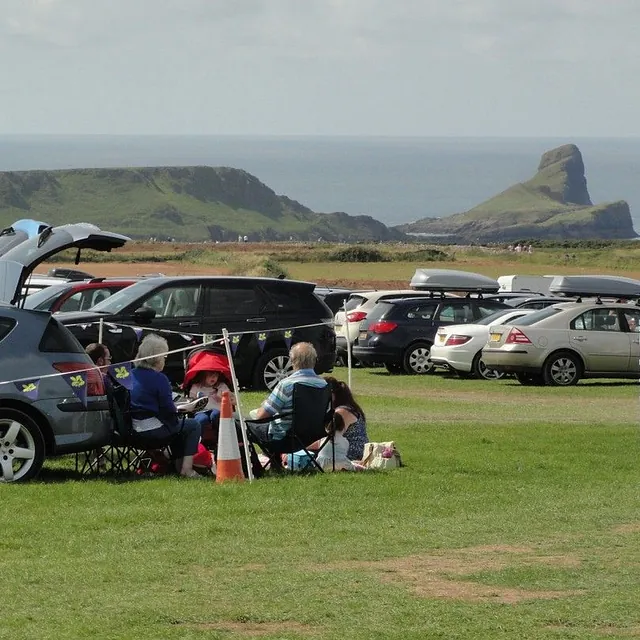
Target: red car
<point>75,296</point>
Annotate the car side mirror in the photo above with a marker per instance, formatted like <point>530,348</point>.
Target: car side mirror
<point>144,314</point>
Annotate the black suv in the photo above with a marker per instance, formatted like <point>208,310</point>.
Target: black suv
<point>399,332</point>
<point>206,305</point>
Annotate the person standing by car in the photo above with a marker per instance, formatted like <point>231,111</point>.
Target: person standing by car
<point>153,411</point>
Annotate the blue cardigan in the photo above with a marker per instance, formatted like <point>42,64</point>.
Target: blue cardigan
<point>151,395</point>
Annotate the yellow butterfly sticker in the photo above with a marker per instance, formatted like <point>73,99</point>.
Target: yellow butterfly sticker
<point>288,333</point>
<point>122,373</point>
<point>77,381</point>
<point>27,388</point>
<point>235,339</point>
<point>262,336</point>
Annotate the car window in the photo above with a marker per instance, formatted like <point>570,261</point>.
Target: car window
<point>353,302</point>
<point>92,297</point>
<point>6,324</point>
<point>632,318</point>
<point>601,319</point>
<point>72,303</point>
<point>536,316</point>
<point>496,315</point>
<point>485,309</point>
<point>178,301</point>
<point>235,301</point>
<point>43,300</point>
<point>58,339</point>
<point>125,297</point>
<point>456,313</point>
<point>421,311</point>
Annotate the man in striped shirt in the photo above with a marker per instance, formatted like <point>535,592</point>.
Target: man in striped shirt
<point>303,358</point>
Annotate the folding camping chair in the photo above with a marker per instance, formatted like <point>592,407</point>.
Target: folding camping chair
<point>311,412</point>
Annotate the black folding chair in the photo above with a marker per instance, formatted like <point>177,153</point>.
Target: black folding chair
<point>311,412</point>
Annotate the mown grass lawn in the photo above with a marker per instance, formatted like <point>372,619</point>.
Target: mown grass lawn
<point>517,515</point>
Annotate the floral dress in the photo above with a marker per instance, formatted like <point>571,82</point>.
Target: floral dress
<point>356,434</point>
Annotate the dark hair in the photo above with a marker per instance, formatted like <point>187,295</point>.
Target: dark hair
<point>335,425</point>
<point>95,351</point>
<point>343,396</point>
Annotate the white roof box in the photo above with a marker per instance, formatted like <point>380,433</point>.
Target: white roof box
<point>610,286</point>
<point>451,280</point>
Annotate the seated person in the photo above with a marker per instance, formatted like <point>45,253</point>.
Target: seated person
<point>336,452</point>
<point>153,411</point>
<point>303,358</point>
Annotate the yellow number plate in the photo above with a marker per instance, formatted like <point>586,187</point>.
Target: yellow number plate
<point>441,337</point>
<point>495,337</point>
<point>363,335</point>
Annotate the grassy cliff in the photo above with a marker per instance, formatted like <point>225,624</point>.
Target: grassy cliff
<point>185,203</point>
<point>554,204</point>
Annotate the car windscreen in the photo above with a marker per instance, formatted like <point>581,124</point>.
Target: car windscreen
<point>125,297</point>
<point>43,299</point>
<point>536,316</point>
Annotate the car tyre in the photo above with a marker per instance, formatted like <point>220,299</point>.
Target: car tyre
<point>271,367</point>
<point>481,371</point>
<point>394,369</point>
<point>22,447</point>
<point>416,359</point>
<point>562,369</point>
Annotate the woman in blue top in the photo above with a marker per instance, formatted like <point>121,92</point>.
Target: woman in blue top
<point>352,415</point>
<point>153,411</point>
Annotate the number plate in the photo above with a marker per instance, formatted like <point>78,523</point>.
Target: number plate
<point>495,337</point>
<point>337,327</point>
<point>441,337</point>
<point>362,336</point>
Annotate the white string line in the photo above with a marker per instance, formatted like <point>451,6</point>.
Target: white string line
<point>107,366</point>
<point>328,323</point>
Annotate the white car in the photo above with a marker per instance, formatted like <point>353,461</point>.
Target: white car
<point>458,347</point>
<point>347,321</point>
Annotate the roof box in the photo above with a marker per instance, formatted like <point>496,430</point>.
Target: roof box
<point>610,286</point>
<point>451,280</point>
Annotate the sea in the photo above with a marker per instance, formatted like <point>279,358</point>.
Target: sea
<point>395,180</point>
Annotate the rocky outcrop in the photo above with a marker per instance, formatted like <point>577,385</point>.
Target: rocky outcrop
<point>553,205</point>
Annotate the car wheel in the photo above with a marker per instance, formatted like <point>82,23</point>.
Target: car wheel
<point>562,369</point>
<point>271,367</point>
<point>394,369</point>
<point>481,371</point>
<point>21,446</point>
<point>416,359</point>
<point>529,379</point>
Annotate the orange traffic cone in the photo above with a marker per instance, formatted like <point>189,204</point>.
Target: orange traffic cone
<point>228,463</point>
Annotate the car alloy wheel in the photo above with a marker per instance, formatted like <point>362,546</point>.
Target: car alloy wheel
<point>272,367</point>
<point>21,446</point>
<point>416,359</point>
<point>480,369</point>
<point>562,370</point>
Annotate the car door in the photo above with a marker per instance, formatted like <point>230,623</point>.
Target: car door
<point>242,308</point>
<point>630,322</point>
<point>19,262</point>
<point>597,334</point>
<point>178,309</point>
<point>419,321</point>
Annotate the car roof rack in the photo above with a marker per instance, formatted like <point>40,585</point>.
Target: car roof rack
<point>585,286</point>
<point>442,280</point>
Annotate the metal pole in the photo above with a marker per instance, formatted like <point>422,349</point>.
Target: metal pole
<point>100,330</point>
<point>346,326</point>
<point>236,392</point>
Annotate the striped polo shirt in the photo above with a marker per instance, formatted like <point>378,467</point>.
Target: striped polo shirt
<point>280,400</point>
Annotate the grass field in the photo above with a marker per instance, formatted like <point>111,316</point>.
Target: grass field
<point>517,515</point>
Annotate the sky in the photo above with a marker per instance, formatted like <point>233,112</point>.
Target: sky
<point>321,67</point>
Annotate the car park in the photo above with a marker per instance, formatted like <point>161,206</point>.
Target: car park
<point>400,332</point>
<point>187,309</point>
<point>458,347</point>
<point>75,296</point>
<point>563,343</point>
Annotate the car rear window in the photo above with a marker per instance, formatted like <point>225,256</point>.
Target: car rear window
<point>536,316</point>
<point>6,324</point>
<point>353,302</point>
<point>58,339</point>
